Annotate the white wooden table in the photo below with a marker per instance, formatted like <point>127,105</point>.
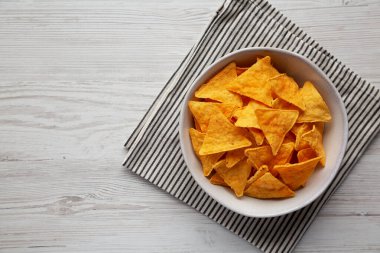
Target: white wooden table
<point>75,79</point>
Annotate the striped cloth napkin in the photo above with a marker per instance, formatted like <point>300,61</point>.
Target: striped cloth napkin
<point>153,149</point>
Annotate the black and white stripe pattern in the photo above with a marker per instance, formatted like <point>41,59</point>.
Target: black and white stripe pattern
<point>154,151</point>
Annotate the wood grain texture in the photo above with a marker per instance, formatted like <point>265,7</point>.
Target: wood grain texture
<point>75,79</point>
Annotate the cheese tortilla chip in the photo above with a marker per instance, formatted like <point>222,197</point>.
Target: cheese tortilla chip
<point>257,135</point>
<point>222,136</point>
<point>306,154</point>
<point>287,89</point>
<point>197,126</point>
<point>202,111</point>
<point>254,82</point>
<point>296,175</point>
<point>236,177</point>
<point>278,103</point>
<point>319,125</point>
<point>216,87</point>
<point>217,180</point>
<point>296,128</point>
<point>316,108</point>
<point>207,161</point>
<point>314,140</point>
<point>234,156</point>
<point>261,156</point>
<point>259,173</point>
<point>299,131</point>
<point>268,187</point>
<point>275,124</point>
<point>246,116</point>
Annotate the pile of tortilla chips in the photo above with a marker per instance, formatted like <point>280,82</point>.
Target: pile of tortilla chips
<point>257,132</point>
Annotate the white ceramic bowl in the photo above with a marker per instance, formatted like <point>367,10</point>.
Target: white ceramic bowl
<point>335,135</point>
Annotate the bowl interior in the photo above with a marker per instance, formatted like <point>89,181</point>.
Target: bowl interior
<point>335,135</point>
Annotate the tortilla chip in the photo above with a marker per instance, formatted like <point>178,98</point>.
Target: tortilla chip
<point>314,140</point>
<point>222,136</point>
<point>197,126</point>
<point>216,87</point>
<point>249,136</point>
<point>226,109</point>
<point>278,103</point>
<point>246,116</point>
<point>234,156</point>
<point>275,124</point>
<point>287,89</point>
<point>261,156</point>
<point>257,135</point>
<point>259,173</point>
<point>236,177</point>
<point>316,108</point>
<point>254,82</point>
<point>306,154</point>
<point>268,187</point>
<point>296,128</point>
<point>202,111</point>
<point>217,180</point>
<point>299,131</point>
<point>207,161</point>
<point>296,175</point>
<point>240,70</point>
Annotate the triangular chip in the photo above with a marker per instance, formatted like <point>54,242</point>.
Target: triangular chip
<point>216,87</point>
<point>296,128</point>
<point>287,89</point>
<point>202,111</point>
<point>249,136</point>
<point>234,156</point>
<point>207,161</point>
<point>217,180</point>
<point>236,177</point>
<point>257,135</point>
<point>278,103</point>
<point>197,126</point>
<point>296,175</point>
<point>261,156</point>
<point>254,82</point>
<point>275,124</point>
<point>314,140</point>
<point>259,173</point>
<point>306,154</point>
<point>246,116</point>
<point>268,187</point>
<point>299,130</point>
<point>316,108</point>
<point>222,136</point>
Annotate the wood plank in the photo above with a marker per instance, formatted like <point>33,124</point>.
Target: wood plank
<point>362,228</point>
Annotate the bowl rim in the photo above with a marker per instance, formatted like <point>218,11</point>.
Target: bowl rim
<point>190,93</point>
